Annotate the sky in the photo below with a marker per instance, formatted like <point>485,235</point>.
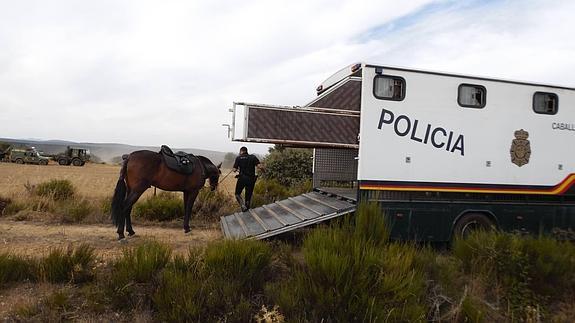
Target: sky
<point>149,73</point>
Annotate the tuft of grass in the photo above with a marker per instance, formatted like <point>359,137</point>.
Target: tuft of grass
<point>142,263</point>
<point>162,207</point>
<point>15,268</point>
<point>133,274</point>
<point>70,265</point>
<point>57,189</point>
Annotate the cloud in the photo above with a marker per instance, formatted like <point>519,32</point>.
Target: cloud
<point>141,72</point>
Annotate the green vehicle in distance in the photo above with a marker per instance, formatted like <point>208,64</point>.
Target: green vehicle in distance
<point>73,156</point>
<point>27,156</point>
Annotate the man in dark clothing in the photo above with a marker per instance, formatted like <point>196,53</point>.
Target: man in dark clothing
<point>246,164</point>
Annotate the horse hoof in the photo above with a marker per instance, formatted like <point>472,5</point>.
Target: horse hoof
<point>188,233</point>
<point>122,240</point>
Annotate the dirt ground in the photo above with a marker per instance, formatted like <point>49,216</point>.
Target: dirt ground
<point>36,239</point>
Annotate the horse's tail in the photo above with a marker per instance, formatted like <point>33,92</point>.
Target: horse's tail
<point>120,194</point>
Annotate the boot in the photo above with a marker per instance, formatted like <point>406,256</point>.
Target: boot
<point>241,202</point>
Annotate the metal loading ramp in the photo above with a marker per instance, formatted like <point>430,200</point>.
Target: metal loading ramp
<point>287,215</point>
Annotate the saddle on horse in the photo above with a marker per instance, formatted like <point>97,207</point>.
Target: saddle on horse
<point>180,161</point>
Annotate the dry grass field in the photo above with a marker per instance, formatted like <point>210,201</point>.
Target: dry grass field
<point>91,180</point>
<point>36,233</point>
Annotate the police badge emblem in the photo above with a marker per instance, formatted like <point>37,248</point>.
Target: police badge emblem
<point>520,148</point>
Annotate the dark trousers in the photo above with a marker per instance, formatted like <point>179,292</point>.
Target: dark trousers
<point>248,183</point>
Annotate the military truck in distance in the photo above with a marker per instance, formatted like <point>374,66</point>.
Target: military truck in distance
<point>73,156</point>
<point>26,156</point>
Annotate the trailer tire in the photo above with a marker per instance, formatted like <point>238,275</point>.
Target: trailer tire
<point>76,162</point>
<point>44,162</point>
<point>62,162</point>
<point>471,222</point>
<point>19,161</point>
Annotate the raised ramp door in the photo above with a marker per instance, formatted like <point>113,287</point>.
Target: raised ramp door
<point>287,215</point>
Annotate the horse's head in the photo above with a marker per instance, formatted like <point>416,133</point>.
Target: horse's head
<point>213,173</point>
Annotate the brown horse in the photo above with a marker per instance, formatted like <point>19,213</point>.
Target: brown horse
<point>143,169</point>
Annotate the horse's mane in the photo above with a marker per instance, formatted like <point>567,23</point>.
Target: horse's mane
<point>205,160</point>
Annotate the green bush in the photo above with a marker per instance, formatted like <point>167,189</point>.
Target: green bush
<point>268,191</point>
<point>351,273</point>
<point>162,207</point>
<point>56,189</point>
<point>288,166</point>
<point>14,268</point>
<point>218,284</point>
<point>71,265</point>
<point>528,270</point>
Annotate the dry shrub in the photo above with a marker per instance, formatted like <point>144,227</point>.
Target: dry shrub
<point>56,189</point>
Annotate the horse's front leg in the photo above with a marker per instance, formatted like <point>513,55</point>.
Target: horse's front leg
<point>189,199</point>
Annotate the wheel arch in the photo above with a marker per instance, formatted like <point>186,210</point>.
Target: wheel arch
<point>487,213</point>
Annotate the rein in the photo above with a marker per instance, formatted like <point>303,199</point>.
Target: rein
<point>225,176</point>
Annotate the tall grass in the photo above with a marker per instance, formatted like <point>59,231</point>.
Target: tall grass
<point>528,271</point>
<point>133,274</point>
<point>73,265</point>
<point>217,284</point>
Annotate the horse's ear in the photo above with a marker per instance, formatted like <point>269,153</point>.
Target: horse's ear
<point>219,165</point>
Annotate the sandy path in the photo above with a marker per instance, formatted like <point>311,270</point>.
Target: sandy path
<point>36,239</point>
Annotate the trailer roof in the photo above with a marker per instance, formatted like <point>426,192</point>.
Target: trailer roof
<point>482,78</point>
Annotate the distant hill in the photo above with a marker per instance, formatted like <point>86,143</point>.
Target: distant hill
<point>104,151</point>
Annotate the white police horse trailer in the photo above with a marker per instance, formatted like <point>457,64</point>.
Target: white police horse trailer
<point>441,153</point>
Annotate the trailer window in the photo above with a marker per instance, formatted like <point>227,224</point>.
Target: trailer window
<point>545,103</point>
<point>471,96</point>
<point>387,87</point>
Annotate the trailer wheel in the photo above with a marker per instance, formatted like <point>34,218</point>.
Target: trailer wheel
<point>19,161</point>
<point>471,222</point>
<point>62,162</point>
<point>77,162</point>
<point>44,162</point>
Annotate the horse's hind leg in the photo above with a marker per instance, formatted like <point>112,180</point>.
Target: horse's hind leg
<point>131,199</point>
